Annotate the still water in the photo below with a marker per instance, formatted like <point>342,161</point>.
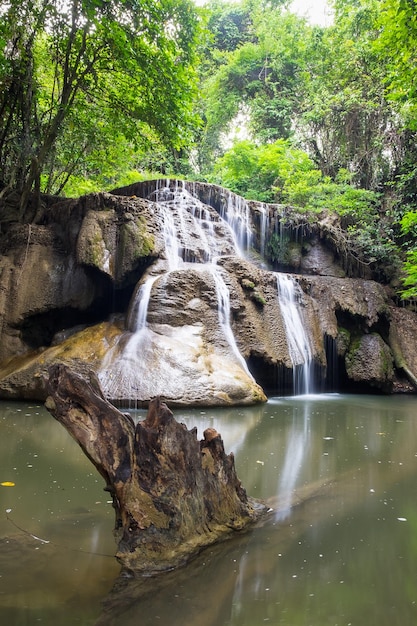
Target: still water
<point>339,547</point>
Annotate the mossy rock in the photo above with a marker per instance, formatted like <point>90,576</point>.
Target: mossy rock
<point>259,298</point>
<point>247,284</point>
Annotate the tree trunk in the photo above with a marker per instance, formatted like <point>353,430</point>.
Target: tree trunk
<point>172,494</point>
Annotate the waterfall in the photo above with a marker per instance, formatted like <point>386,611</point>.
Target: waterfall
<point>138,313</point>
<point>192,235</point>
<point>237,214</point>
<point>264,229</point>
<point>299,345</point>
<point>223,308</point>
<point>179,214</point>
<point>171,240</point>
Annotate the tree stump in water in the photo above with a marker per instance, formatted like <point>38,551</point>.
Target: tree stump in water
<point>172,494</point>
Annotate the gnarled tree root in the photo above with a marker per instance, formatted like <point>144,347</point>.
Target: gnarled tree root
<point>173,495</point>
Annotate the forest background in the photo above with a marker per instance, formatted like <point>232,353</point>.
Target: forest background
<point>97,94</point>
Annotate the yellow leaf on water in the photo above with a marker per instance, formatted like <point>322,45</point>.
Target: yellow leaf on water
<point>7,483</point>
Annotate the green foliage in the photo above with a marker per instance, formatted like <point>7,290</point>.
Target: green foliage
<point>396,46</point>
<point>281,173</point>
<point>347,121</point>
<point>277,249</point>
<point>327,84</point>
<point>229,25</point>
<point>77,76</point>
<point>278,172</point>
<point>410,280</point>
<point>260,74</point>
<point>409,223</point>
<point>409,231</point>
<point>264,172</point>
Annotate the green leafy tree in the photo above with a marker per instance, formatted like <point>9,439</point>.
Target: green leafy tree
<point>397,47</point>
<point>257,75</point>
<point>95,64</point>
<point>326,87</point>
<point>347,122</point>
<point>409,232</point>
<point>278,172</point>
<point>264,172</point>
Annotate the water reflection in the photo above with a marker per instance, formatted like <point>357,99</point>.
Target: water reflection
<point>55,523</point>
<point>341,550</point>
<point>296,449</point>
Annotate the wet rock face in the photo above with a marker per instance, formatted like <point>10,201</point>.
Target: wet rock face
<point>116,238</point>
<point>37,277</point>
<point>404,327</point>
<point>369,360</point>
<point>197,306</point>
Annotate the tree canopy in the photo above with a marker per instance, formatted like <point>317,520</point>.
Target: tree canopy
<point>79,73</point>
<point>246,94</point>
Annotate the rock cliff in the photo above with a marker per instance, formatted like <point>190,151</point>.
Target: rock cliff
<point>161,288</point>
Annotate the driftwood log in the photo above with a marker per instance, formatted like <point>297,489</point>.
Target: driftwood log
<point>173,495</point>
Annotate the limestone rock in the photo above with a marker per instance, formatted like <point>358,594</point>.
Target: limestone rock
<point>403,341</point>
<point>37,276</point>
<point>344,301</point>
<point>23,376</point>
<point>117,236</point>
<point>212,322</point>
<point>369,360</point>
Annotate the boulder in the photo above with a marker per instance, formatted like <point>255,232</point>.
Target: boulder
<point>369,361</point>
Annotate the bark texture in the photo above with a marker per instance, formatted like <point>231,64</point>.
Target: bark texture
<point>173,495</point>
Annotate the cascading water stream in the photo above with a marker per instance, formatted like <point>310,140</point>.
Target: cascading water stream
<point>264,228</point>
<point>223,307</point>
<point>298,341</point>
<point>138,315</point>
<point>237,214</point>
<point>192,236</point>
<point>195,235</point>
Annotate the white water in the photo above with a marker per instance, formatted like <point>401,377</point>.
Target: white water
<point>299,346</point>
<point>237,214</point>
<point>264,230</point>
<point>137,318</point>
<point>171,237</point>
<point>194,234</point>
<point>223,307</point>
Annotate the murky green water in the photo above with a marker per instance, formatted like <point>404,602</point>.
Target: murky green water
<point>339,547</point>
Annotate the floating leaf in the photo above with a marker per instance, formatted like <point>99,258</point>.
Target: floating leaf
<point>7,483</point>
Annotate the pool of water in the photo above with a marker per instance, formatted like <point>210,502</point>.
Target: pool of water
<point>339,547</point>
